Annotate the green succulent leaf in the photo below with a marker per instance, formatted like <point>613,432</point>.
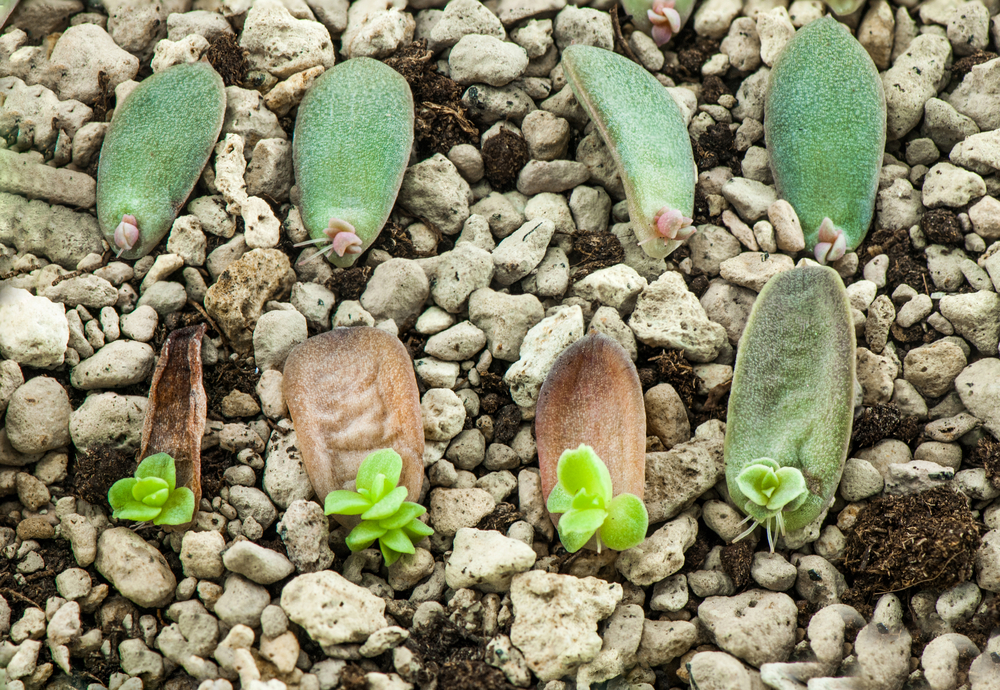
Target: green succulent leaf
<point>152,491</point>
<point>397,540</point>
<point>134,510</point>
<point>160,466</point>
<point>121,493</point>
<point>791,485</point>
<point>402,517</point>
<point>385,462</point>
<point>582,469</point>
<point>179,508</point>
<point>387,506</point>
<point>626,524</point>
<point>345,503</point>
<point>560,501</point>
<point>577,527</point>
<point>758,481</point>
<point>417,530</point>
<point>388,554</point>
<point>364,535</point>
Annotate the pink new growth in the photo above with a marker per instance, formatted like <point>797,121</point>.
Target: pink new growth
<point>671,225</point>
<point>665,19</point>
<point>342,238</point>
<point>832,243</point>
<point>126,234</point>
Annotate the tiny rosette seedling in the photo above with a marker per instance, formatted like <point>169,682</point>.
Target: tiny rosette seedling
<point>152,494</point>
<point>583,495</point>
<point>791,405</point>
<point>385,513</point>
<point>153,154</point>
<point>661,19</point>
<point>646,135</point>
<point>353,135</point>
<point>825,164</point>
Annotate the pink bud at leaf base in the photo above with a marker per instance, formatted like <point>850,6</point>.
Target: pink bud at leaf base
<point>665,19</point>
<point>832,243</point>
<point>126,234</point>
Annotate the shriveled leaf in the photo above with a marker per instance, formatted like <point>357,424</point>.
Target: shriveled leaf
<point>362,536</point>
<point>179,508</point>
<point>626,523</point>
<point>345,503</point>
<point>385,461</point>
<point>408,511</point>
<point>580,468</point>
<point>386,507</point>
<point>161,466</point>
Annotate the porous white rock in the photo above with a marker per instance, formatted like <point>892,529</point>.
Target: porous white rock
<point>668,315</point>
<point>486,559</point>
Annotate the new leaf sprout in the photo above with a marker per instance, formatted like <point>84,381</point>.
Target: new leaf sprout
<point>152,494</point>
<point>583,496</point>
<point>385,513</point>
<point>772,489</point>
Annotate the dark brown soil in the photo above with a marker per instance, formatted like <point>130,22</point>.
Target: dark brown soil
<point>717,147</point>
<point>927,540</point>
<point>594,251</point>
<point>349,283</point>
<point>504,154</point>
<point>92,474</point>
<point>906,265</point>
<point>962,67</point>
<point>874,424</point>
<point>736,561</point>
<point>225,377</point>
<point>395,240</point>
<point>228,59</point>
<point>986,454</point>
<point>440,119</point>
<point>941,226</point>
<point>502,517</point>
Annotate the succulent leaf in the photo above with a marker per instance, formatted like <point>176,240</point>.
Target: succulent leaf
<point>626,523</point>
<point>825,164</point>
<point>407,512</point>
<point>364,535</point>
<point>580,470</point>
<point>179,508</point>
<point>345,503</point>
<point>353,135</point>
<point>791,405</point>
<point>153,153</point>
<point>387,505</point>
<point>647,137</point>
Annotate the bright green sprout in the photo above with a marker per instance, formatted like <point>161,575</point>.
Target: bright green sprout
<point>774,489</point>
<point>152,494</point>
<point>385,513</point>
<point>583,496</point>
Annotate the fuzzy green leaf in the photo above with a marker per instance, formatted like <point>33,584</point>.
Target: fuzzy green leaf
<point>345,503</point>
<point>386,462</point>
<point>362,536</point>
<point>582,469</point>
<point>626,523</point>
<point>577,527</point>
<point>791,485</point>
<point>134,510</point>
<point>161,466</point>
<point>121,493</point>
<point>402,517</point>
<point>387,506</point>
<point>179,508</point>
<point>152,491</point>
<point>560,501</point>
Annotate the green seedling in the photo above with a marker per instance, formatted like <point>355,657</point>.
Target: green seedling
<point>152,494</point>
<point>645,132</point>
<point>156,147</point>
<point>791,405</point>
<point>825,163</point>
<point>385,513</point>
<point>583,496</point>
<point>661,19</point>
<point>353,135</point>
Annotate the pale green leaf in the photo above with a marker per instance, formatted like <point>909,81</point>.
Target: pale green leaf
<point>161,466</point>
<point>345,503</point>
<point>121,493</point>
<point>397,540</point>
<point>559,500</point>
<point>385,461</point>
<point>582,469</point>
<point>386,507</point>
<point>179,508</point>
<point>407,512</point>
<point>626,523</point>
<point>134,510</point>
<point>362,536</point>
<point>791,485</point>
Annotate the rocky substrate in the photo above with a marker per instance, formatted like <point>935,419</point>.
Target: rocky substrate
<point>510,240</point>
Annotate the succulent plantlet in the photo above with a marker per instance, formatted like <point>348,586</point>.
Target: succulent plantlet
<point>661,19</point>
<point>153,494</point>
<point>353,135</point>
<point>590,427</point>
<point>645,132</point>
<point>350,392</point>
<point>791,405</point>
<point>385,513</point>
<point>155,149</point>
<point>826,165</point>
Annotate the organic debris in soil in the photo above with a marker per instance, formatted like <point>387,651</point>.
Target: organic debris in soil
<point>502,517</point>
<point>225,377</point>
<point>597,250</point>
<point>986,454</point>
<point>506,424</point>
<point>93,472</point>
<point>441,120</point>
<point>472,675</point>
<point>214,462</point>
<point>905,265</point>
<point>715,147</point>
<point>736,560</point>
<point>981,626</point>
<point>672,368</point>
<point>229,59</point>
<point>874,424</point>
<point>927,539</point>
<point>962,67</point>
<point>504,154</point>
<point>692,52</point>
<point>103,103</point>
<point>349,283</point>
<point>712,88</point>
<point>940,226</point>
<point>395,240</point>
<point>38,587</point>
